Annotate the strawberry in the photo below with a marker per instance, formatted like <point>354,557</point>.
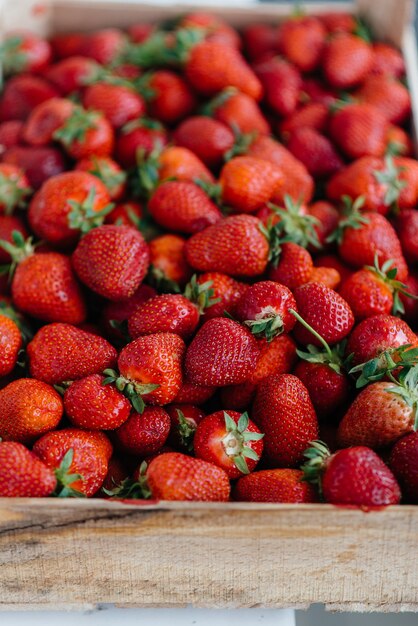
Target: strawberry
<point>85,133</point>
<point>294,267</point>
<point>138,136</point>
<point>398,142</point>
<point>14,188</point>
<point>190,393</point>
<point>264,308</point>
<point>10,344</point>
<point>28,409</point>
<point>91,405</point>
<point>329,388</point>
<point>67,44</point>
<point>235,246</point>
<point>146,433</point>
<point>112,261</point>
<point>38,162</point>
<point>327,218</point>
<point>216,28</point>
<point>182,206</point>
<point>222,353</point>
<point>185,418</point>
<point>312,115</point>
<point>166,313</point>
<point>282,83</point>
<point>410,304</point>
<point>150,369</point>
<point>117,471</point>
<point>332,261</point>
<point>316,91</point>
<point>347,60</point>
<point>138,33</point>
<point>114,314</point>
<point>175,476</point>
<point>168,263</point>
<point>403,463</point>
<point>24,52</point>
<point>283,411</point>
<point>359,130</point>
<point>43,283</point>
<point>377,334</point>
<point>325,311</point>
<point>168,96</point>
<point>387,60</point>
<point>328,276</point>
<point>276,357</point>
<point>247,183</point>
<point>238,111</point>
<point>274,485</point>
<point>301,40</point>
<point>339,22</point>
<point>223,294</point>
<point>229,440</point>
<point>315,151</point>
<point>61,352</point>
<point>406,224</point>
<point>356,476</point>
<point>46,119</point>
<point>381,413</point>
<point>182,164</point>
<point>10,134</point>
<point>125,214</point>
<point>22,474</point>
<point>108,171</point>
<point>207,138</point>
<point>104,46</point>
<point>22,94</point>
<point>72,74</point>
<point>66,205</point>
<point>238,397</point>
<point>119,104</point>
<point>82,470</point>
<point>260,41</point>
<point>388,95</point>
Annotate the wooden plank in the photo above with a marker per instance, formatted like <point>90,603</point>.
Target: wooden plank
<point>207,555</point>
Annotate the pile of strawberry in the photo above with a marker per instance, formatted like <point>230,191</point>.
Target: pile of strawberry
<point>209,244</point>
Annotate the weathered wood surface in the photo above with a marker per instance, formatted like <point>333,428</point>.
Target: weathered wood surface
<point>83,553</point>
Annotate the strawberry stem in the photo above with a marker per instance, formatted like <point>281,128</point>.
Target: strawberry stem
<point>83,215</point>
<point>130,388</point>
<point>130,489</point>
<point>201,294</point>
<point>314,333</point>
<point>313,469</point>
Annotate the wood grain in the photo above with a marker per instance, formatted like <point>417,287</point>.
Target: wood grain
<point>84,553</point>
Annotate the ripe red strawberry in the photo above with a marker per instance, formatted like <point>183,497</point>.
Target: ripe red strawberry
<point>406,224</point>
<point>238,397</point>
<point>150,369</point>
<point>260,41</point>
<point>313,115</point>
<point>347,60</point>
<point>146,433</point>
<point>28,409</point>
<point>276,357</point>
<point>325,311</point>
<point>119,104</point>
<point>14,188</point>
<point>85,133</point>
<point>398,142</point>
<point>114,314</point>
<point>168,263</point>
<point>339,22</point>
<point>112,261</point>
<point>403,463</point>
<point>328,276</point>
<point>213,25</point>
<point>108,171</point>
<point>238,111</point>
<point>90,404</point>
<point>22,474</point>
<point>207,138</point>
<point>10,134</point>
<point>104,46</point>
<point>138,136</point>
<point>230,440</point>
<point>388,95</point>
<point>222,353</point>
<point>225,292</point>
<point>359,130</point>
<point>175,476</point>
<point>381,413</point>
<point>72,74</point>
<point>377,334</point>
<point>46,119</point>
<point>10,344</point>
<point>235,246</point>
<point>190,393</point>
<point>185,418</point>
<point>247,183</point>
<point>327,218</point>
<point>274,485</point>
<point>67,44</point>
<point>301,40</point>
<point>328,386</point>
<point>387,60</point>
<point>88,459</point>
<point>315,151</point>
<point>168,96</point>
<point>60,352</point>
<point>125,214</point>
<point>182,206</point>
<point>212,66</point>
<point>294,267</point>
<point>284,412</point>
<point>356,476</point>
<point>38,162</point>
<point>165,313</point>
<point>264,308</point>
<point>332,261</point>
<point>117,472</point>
<point>22,94</point>
<point>24,52</point>
<point>67,205</point>
<point>281,83</point>
<point>410,304</point>
<point>180,163</point>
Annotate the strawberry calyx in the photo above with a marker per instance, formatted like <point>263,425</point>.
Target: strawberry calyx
<point>12,194</point>
<point>235,440</point>
<point>110,177</point>
<point>76,126</point>
<point>201,294</point>
<point>213,190</point>
<point>83,216</point>
<point>317,457</point>
<point>13,58</point>
<point>242,143</point>
<point>353,218</point>
<point>143,86</point>
<point>385,363</point>
<point>132,489</point>
<point>219,100</point>
<point>65,479</point>
<point>141,122</point>
<point>268,323</point>
<point>186,429</point>
<point>164,48</point>
<point>19,250</point>
<point>389,176</point>
<point>295,226</point>
<point>62,387</point>
<point>146,176</point>
<point>362,30</point>
<point>158,279</point>
<point>407,388</point>
<point>131,389</point>
<point>387,274</point>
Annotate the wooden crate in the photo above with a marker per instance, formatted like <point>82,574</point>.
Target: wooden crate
<point>78,554</point>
